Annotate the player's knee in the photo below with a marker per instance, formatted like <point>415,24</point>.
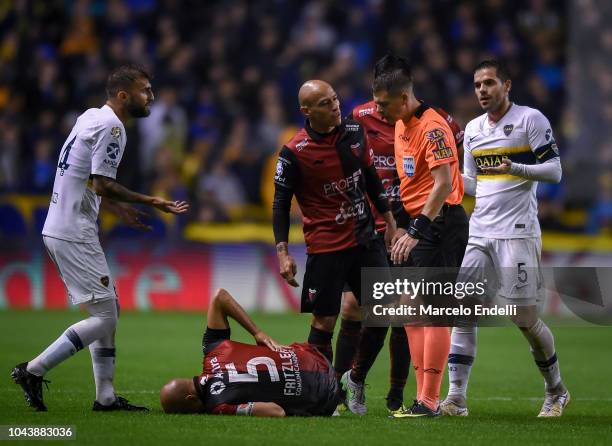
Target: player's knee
<point>220,293</point>
<point>525,318</point>
<point>325,323</point>
<point>350,308</point>
<point>107,325</point>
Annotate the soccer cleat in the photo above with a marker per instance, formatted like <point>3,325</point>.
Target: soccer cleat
<point>31,385</point>
<point>400,409</point>
<point>394,404</point>
<point>418,410</point>
<point>453,408</point>
<point>554,403</point>
<point>355,394</point>
<point>120,403</point>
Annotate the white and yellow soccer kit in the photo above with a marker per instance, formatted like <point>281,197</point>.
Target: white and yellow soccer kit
<point>94,147</point>
<point>504,228</point>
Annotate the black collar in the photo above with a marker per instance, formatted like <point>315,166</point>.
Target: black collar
<point>316,136</point>
<point>420,110</point>
<point>199,390</point>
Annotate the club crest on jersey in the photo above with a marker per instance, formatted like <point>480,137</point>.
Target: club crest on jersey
<point>508,129</point>
<point>548,134</point>
<point>116,132</point>
<point>312,293</point>
<point>217,387</point>
<point>408,163</point>
<point>105,281</point>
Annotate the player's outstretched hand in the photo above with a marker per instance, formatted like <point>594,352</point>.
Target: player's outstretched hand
<point>263,339</point>
<point>131,217</point>
<point>171,207</point>
<point>504,167</point>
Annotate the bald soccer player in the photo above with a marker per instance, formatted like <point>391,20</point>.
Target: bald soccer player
<point>267,379</point>
<point>328,166</point>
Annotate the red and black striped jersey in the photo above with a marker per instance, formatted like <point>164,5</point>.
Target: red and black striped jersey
<point>330,175</point>
<point>297,378</point>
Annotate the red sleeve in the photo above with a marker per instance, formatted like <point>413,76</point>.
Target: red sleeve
<point>225,409</point>
<point>439,145</point>
<point>454,126</point>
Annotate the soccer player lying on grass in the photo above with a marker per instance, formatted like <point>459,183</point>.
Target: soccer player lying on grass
<point>267,379</point>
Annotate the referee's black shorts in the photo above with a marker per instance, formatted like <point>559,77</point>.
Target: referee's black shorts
<point>327,273</point>
<point>444,243</point>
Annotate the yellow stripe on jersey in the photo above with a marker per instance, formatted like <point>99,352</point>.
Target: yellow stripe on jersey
<point>501,151</point>
<point>498,176</point>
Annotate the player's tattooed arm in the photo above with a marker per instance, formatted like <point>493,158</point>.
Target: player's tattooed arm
<point>109,188</point>
<point>223,305</point>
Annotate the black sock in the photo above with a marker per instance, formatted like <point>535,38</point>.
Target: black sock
<point>322,341</point>
<point>400,362</point>
<point>346,345</point>
<point>371,342</point>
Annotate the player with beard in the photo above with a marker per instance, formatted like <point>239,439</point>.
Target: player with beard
<point>86,172</point>
<point>508,149</point>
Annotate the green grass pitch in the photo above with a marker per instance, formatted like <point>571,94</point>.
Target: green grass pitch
<point>505,391</point>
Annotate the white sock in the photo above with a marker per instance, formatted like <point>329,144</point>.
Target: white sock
<point>542,344</point>
<point>61,349</point>
<point>103,361</point>
<point>460,360</point>
<point>102,322</point>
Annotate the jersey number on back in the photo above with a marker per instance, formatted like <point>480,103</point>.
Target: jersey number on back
<point>63,162</point>
<point>251,376</point>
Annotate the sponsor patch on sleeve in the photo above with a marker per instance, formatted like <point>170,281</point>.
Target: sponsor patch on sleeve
<point>435,135</point>
<point>442,153</point>
<point>442,150</point>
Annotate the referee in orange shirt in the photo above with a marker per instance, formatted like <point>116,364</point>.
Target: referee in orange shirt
<point>435,227</point>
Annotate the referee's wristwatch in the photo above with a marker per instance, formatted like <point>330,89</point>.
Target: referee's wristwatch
<point>418,226</point>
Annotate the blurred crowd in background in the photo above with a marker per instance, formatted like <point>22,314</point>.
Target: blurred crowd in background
<point>226,75</point>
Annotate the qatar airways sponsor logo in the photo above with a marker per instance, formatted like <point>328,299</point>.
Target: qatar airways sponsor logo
<point>384,162</point>
<point>349,210</point>
<point>342,185</point>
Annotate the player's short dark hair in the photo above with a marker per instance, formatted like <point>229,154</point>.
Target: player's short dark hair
<point>501,69</point>
<point>122,77</point>
<point>392,74</point>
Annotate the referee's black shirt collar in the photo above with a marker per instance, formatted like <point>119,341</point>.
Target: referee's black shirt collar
<point>420,110</point>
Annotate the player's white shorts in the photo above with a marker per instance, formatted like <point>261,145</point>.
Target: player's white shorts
<point>83,269</point>
<point>512,264</point>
